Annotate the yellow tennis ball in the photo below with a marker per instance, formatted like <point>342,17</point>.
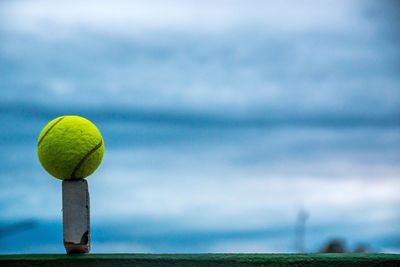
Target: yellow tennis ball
<point>70,147</point>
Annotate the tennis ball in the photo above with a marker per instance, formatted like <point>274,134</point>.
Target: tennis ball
<point>70,148</point>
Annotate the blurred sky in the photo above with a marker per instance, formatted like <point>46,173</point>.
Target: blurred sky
<point>221,120</point>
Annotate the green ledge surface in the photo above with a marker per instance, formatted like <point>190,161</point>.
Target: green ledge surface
<point>100,260</point>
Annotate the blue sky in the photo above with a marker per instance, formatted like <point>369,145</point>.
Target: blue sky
<point>221,120</point>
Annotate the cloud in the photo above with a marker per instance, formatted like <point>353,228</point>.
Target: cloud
<point>306,59</point>
<point>202,190</point>
<point>188,16</point>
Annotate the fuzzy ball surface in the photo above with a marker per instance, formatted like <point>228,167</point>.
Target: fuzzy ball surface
<point>70,147</point>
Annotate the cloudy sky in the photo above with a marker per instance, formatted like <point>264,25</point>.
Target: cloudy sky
<point>221,120</point>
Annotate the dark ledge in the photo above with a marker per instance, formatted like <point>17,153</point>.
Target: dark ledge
<point>242,260</point>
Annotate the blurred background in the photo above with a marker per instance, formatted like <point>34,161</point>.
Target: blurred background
<point>230,126</point>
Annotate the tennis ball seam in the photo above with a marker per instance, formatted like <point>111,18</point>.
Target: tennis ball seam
<point>48,130</point>
<point>85,158</point>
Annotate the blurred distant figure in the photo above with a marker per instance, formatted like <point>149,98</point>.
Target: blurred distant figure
<point>339,246</point>
<point>334,246</point>
<point>300,231</point>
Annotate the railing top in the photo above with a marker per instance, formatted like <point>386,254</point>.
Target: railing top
<point>99,260</point>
